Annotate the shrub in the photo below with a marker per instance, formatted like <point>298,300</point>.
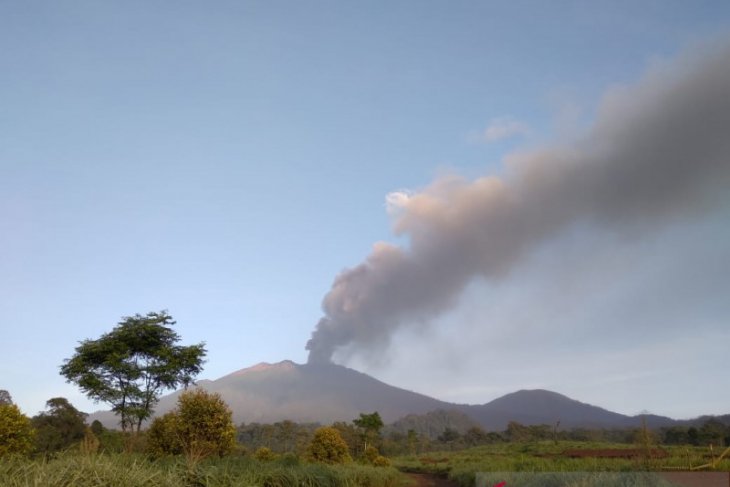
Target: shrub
<point>371,453</point>
<point>200,427</point>
<point>327,446</point>
<point>264,454</point>
<point>381,461</point>
<point>16,432</point>
<point>162,436</point>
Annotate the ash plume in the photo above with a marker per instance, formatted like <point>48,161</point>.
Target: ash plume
<point>658,151</point>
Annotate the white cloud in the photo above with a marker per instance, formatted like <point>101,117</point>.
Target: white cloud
<point>500,129</point>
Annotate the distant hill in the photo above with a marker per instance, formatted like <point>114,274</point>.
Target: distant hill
<point>325,393</point>
<point>547,407</point>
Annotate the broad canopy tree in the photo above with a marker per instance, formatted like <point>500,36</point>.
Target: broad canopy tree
<point>59,427</point>
<point>132,365</point>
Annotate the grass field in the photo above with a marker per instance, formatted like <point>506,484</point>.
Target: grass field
<point>128,470</point>
<point>463,466</point>
<point>485,464</point>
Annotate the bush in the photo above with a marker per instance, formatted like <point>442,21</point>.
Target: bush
<point>327,446</point>
<point>371,453</point>
<point>264,454</point>
<point>162,436</point>
<point>200,427</point>
<point>381,461</point>
<point>16,432</point>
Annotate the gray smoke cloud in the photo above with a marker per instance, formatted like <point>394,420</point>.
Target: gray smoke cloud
<point>658,151</point>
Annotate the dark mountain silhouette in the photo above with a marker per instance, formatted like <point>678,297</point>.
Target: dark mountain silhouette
<point>325,393</point>
<point>547,407</point>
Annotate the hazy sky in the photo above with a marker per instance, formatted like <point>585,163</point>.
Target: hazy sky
<point>227,160</point>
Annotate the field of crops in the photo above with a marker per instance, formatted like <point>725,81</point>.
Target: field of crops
<point>128,470</point>
<point>463,466</point>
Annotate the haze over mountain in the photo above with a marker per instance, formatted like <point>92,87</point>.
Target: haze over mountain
<point>325,393</point>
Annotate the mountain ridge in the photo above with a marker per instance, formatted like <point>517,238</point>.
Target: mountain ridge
<point>325,393</point>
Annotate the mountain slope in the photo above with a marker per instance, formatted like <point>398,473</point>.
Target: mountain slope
<point>321,393</point>
<point>325,393</point>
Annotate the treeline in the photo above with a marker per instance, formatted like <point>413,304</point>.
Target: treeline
<point>457,434</point>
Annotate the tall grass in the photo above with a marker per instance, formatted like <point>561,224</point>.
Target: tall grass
<point>124,470</point>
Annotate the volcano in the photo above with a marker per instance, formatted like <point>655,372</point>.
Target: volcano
<point>325,393</point>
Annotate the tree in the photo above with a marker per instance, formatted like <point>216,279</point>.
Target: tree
<point>475,436</point>
<point>370,425</point>
<point>132,365</point>
<point>16,432</point>
<point>5,398</point>
<point>200,426</point>
<point>518,432</point>
<point>58,428</point>
<point>327,446</point>
<point>712,432</point>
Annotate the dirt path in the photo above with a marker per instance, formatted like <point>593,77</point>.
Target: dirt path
<point>428,480</point>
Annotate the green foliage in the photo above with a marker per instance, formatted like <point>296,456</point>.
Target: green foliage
<point>327,446</point>
<point>381,461</point>
<point>132,365</point>
<point>370,426</point>
<point>97,428</point>
<point>200,426</point>
<point>264,454</point>
<point>280,437</point>
<point>351,435</point>
<point>713,432</point>
<point>162,436</point>
<point>374,458</point>
<point>205,424</point>
<point>16,431</point>
<point>59,427</point>
<point>370,454</point>
<point>369,422</point>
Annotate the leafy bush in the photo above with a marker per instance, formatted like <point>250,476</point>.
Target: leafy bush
<point>162,438</point>
<point>327,446</point>
<point>381,461</point>
<point>264,454</point>
<point>16,432</point>
<point>200,427</point>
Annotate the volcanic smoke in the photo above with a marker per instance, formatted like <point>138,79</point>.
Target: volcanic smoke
<point>658,151</point>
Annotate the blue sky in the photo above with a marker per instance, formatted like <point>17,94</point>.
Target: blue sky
<point>226,160</point>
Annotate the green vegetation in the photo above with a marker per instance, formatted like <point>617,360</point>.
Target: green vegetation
<point>327,446</point>
<point>133,364</point>
<point>200,427</point>
<point>16,432</point>
<point>131,470</point>
<point>370,426</point>
<point>60,427</point>
<point>547,456</point>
